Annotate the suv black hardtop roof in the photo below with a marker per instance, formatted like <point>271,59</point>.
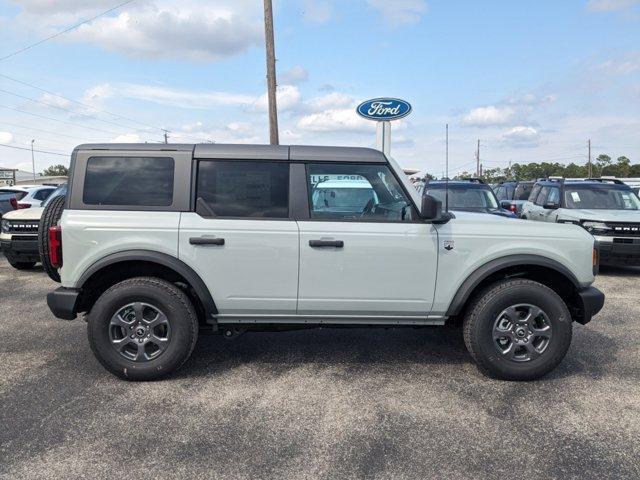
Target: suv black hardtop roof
<point>471,183</point>
<point>517,182</point>
<point>250,152</point>
<point>545,182</point>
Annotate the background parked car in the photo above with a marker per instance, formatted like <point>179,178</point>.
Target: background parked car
<point>28,196</point>
<point>471,195</point>
<point>7,203</point>
<point>608,209</point>
<point>19,232</point>
<point>515,192</point>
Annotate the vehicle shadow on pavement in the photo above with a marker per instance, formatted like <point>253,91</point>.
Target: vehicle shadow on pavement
<point>350,349</point>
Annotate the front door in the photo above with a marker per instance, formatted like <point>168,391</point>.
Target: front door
<point>363,251</point>
<point>240,239</point>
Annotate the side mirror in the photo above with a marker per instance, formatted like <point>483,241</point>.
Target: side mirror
<point>431,208</point>
<point>505,204</point>
<point>551,206</point>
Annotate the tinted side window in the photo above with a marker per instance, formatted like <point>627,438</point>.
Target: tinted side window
<point>42,194</point>
<point>554,195</point>
<point>243,189</point>
<point>501,193</point>
<point>542,196</point>
<point>534,193</point>
<point>356,192</point>
<point>135,181</point>
<point>523,190</point>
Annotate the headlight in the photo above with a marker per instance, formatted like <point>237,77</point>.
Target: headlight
<point>595,227</point>
<point>569,222</point>
<point>5,226</point>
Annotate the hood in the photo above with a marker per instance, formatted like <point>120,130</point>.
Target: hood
<point>632,216</point>
<point>33,213</point>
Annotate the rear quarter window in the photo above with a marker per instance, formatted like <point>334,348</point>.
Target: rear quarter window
<point>133,181</point>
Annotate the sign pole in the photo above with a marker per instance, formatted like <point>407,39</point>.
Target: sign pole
<point>383,137</point>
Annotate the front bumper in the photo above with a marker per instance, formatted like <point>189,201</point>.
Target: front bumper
<point>21,249</point>
<point>618,251</point>
<point>591,302</point>
<point>63,302</point>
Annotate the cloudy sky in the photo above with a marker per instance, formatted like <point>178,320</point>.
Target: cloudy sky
<point>533,80</point>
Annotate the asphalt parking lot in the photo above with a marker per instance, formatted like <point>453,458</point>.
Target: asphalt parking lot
<point>332,404</point>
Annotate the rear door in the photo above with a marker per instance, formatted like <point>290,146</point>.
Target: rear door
<point>363,254</point>
<point>240,239</point>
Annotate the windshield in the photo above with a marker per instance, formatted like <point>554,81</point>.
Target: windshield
<point>61,190</point>
<point>600,197</point>
<point>466,198</point>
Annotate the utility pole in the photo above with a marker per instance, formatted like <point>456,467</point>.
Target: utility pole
<point>271,72</point>
<point>590,165</point>
<point>166,135</point>
<point>478,160</point>
<point>33,160</point>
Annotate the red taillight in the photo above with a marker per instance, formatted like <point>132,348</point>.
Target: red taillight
<point>55,246</point>
<point>24,205</point>
<point>513,208</point>
<point>14,203</point>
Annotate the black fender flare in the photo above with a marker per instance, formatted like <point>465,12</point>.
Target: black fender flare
<point>163,259</point>
<point>481,273</point>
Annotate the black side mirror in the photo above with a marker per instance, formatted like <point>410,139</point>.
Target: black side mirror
<point>551,206</point>
<point>431,208</point>
<point>505,204</point>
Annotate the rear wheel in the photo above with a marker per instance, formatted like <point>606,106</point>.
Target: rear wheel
<point>142,328</point>
<point>517,330</point>
<point>50,217</point>
<point>22,265</point>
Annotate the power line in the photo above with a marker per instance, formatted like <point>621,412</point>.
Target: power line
<point>39,151</point>
<point>79,103</point>
<point>72,27</point>
<point>34,129</point>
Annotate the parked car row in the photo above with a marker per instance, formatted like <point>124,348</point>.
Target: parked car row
<point>609,209</point>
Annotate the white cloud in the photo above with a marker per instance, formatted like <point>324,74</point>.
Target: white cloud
<point>332,100</point>
<point>399,12</point>
<point>335,120</point>
<point>54,100</point>
<point>127,138</point>
<point>295,75</point>
<point>621,66</point>
<point>197,30</point>
<point>488,116</point>
<point>522,136</point>
<point>6,137</point>
<point>610,5</point>
<point>288,97</point>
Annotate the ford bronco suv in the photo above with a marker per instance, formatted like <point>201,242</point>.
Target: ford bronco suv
<point>607,208</point>
<point>159,242</point>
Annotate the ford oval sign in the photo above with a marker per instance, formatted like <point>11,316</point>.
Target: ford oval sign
<point>384,109</point>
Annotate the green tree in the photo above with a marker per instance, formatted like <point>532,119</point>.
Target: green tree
<point>55,171</point>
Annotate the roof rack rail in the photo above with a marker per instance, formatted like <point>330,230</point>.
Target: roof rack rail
<point>602,180</point>
<point>551,179</point>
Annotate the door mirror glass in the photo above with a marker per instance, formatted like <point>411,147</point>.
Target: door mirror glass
<point>431,208</point>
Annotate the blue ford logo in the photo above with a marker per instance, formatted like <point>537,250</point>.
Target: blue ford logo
<point>384,109</point>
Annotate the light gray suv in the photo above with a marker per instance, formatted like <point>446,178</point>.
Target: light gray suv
<point>158,242</point>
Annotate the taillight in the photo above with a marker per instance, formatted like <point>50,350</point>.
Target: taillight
<point>23,205</point>
<point>55,246</point>
<point>14,203</point>
<point>513,208</point>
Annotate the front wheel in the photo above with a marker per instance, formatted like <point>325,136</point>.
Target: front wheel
<point>142,328</point>
<point>517,330</point>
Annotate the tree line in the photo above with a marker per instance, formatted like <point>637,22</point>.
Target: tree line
<point>603,165</point>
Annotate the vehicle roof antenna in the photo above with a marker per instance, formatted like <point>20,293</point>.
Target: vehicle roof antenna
<point>446,185</point>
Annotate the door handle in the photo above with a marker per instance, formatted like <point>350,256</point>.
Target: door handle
<point>326,243</point>
<point>206,241</point>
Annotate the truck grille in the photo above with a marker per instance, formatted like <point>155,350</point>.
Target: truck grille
<point>624,229</point>
<point>23,227</point>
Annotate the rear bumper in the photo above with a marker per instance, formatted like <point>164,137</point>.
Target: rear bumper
<point>619,251</point>
<point>592,301</point>
<point>63,302</point>
<point>21,250</point>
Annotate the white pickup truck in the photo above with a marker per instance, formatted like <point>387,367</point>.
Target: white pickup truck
<point>159,241</point>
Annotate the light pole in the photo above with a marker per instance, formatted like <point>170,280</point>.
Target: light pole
<point>33,161</point>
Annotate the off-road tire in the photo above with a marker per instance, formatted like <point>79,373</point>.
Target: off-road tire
<point>50,217</point>
<point>485,309</point>
<point>22,265</point>
<point>173,302</point>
